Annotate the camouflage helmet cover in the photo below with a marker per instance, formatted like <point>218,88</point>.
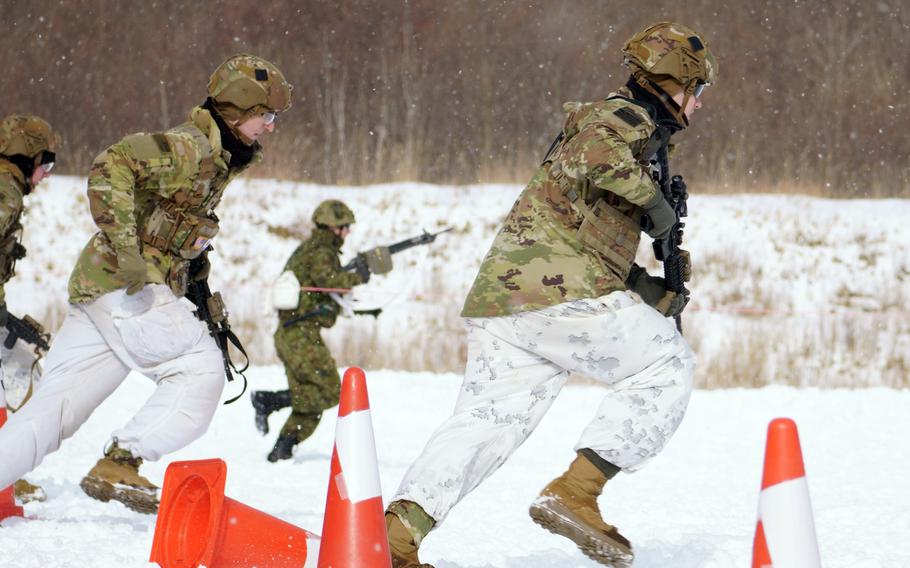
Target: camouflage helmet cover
<point>249,83</point>
<point>667,49</point>
<point>333,212</point>
<point>27,135</point>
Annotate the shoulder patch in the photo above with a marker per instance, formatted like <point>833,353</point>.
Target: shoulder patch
<point>148,146</point>
<point>628,116</point>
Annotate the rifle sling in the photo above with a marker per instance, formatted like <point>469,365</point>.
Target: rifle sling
<point>230,336</point>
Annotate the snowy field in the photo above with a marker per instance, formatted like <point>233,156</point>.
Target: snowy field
<point>693,507</point>
<point>786,289</point>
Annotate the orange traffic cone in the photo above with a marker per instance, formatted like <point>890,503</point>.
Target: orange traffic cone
<point>198,526</point>
<point>785,535</point>
<point>353,533</point>
<point>8,507</point>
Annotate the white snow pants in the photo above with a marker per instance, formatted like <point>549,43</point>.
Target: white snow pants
<point>152,332</point>
<point>517,365</point>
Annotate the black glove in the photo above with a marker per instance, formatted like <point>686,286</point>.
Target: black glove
<point>661,217</point>
<point>653,290</point>
<point>3,314</point>
<point>362,269</point>
<point>200,268</point>
<point>131,269</point>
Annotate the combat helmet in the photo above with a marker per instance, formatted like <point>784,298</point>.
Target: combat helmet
<point>28,141</point>
<point>250,84</point>
<point>333,212</point>
<point>673,57</point>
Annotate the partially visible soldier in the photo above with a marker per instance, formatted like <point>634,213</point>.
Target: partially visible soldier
<point>559,292</point>
<point>313,381</point>
<point>28,148</point>
<point>153,198</point>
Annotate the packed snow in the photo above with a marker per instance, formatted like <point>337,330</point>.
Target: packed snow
<point>694,506</point>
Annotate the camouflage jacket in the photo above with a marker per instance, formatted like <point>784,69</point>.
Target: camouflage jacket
<point>157,192</point>
<point>315,263</point>
<point>574,230</point>
<point>12,189</point>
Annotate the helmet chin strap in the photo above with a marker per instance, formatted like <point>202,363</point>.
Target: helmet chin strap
<point>677,111</point>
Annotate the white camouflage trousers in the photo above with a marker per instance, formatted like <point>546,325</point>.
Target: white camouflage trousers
<point>517,365</point>
<point>152,332</point>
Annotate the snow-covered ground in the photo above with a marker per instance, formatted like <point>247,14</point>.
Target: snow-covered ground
<point>786,289</point>
<point>692,507</point>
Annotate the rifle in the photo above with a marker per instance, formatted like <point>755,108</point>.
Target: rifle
<point>210,309</point>
<point>365,261</point>
<point>674,191</point>
<point>28,330</point>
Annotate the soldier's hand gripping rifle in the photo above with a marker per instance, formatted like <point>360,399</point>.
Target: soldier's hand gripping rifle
<point>210,309</point>
<point>28,330</point>
<point>667,249</point>
<point>379,260</point>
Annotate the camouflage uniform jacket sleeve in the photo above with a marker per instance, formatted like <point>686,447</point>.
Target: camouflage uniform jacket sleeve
<point>11,192</point>
<point>125,176</point>
<point>603,140</point>
<point>316,263</point>
<point>122,181</point>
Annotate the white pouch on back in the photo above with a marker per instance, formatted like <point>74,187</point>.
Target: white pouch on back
<point>286,292</point>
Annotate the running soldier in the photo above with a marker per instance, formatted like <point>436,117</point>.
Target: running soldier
<point>559,292</point>
<point>28,150</point>
<point>153,198</point>
<point>313,381</point>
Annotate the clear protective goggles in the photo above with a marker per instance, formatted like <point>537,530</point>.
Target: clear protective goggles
<point>699,89</point>
<point>46,160</point>
<point>269,117</point>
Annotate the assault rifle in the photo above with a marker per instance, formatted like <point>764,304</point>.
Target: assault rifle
<point>210,309</point>
<point>364,262</point>
<point>675,192</point>
<point>28,330</point>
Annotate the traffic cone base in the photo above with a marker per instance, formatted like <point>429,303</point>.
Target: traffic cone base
<point>198,526</point>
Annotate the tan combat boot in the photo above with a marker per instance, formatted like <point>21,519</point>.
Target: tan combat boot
<point>407,524</point>
<point>116,476</point>
<point>27,492</point>
<point>568,507</point>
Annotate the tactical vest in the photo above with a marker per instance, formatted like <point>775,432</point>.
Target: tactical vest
<point>11,249</point>
<point>611,225</point>
<point>183,224</point>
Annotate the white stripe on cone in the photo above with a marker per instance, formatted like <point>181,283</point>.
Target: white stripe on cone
<point>357,456</point>
<point>312,550</point>
<point>786,516</point>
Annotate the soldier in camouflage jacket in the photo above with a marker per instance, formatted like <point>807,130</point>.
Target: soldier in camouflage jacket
<point>313,381</point>
<point>559,293</point>
<point>28,149</point>
<point>152,197</point>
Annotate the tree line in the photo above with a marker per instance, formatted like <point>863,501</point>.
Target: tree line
<point>812,95</point>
